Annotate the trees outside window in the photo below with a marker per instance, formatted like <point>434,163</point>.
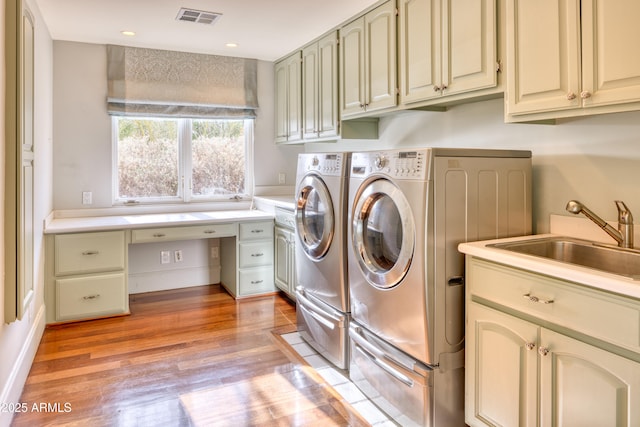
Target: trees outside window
<point>162,160</point>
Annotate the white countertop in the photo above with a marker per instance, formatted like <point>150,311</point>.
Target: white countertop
<point>574,273</point>
<point>286,202</point>
<point>121,222</point>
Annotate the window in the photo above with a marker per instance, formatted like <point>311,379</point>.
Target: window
<point>181,160</point>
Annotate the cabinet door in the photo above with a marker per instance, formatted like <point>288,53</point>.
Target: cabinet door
<point>281,259</point>
<point>582,385</point>
<point>501,369</point>
<point>310,91</point>
<point>352,66</point>
<point>292,266</point>
<point>469,53</point>
<point>611,68</point>
<point>282,111</point>
<point>419,50</point>
<point>543,61</point>
<point>294,98</point>
<point>380,56</point>
<point>328,85</point>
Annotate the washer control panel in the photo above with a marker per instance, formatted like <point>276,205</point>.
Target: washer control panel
<point>323,163</point>
<point>396,164</point>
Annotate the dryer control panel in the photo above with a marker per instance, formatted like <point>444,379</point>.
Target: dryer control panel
<point>405,164</point>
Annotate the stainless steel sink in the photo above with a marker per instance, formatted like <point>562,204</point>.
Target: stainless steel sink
<point>610,259</point>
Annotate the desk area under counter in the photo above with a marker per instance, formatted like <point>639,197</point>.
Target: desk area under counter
<point>87,258</point>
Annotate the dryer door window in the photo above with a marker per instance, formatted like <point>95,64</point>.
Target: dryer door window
<point>383,233</point>
<point>314,217</point>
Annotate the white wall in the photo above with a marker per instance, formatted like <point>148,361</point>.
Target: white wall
<point>82,132</point>
<point>592,159</point>
<point>19,340</point>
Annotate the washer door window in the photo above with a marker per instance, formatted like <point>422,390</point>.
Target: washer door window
<point>383,233</point>
<point>314,217</point>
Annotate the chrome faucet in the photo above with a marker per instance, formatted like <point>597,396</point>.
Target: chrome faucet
<point>623,235</point>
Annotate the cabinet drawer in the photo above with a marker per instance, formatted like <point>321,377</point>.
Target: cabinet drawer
<point>256,253</point>
<point>92,296</point>
<point>256,281</point>
<point>576,307</point>
<point>256,230</point>
<point>182,233</point>
<point>89,252</point>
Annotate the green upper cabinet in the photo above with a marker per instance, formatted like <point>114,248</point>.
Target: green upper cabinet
<point>368,62</point>
<point>320,88</point>
<point>580,62</point>
<point>448,50</point>
<point>288,100</point>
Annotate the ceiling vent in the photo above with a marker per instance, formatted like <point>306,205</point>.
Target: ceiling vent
<point>199,16</point>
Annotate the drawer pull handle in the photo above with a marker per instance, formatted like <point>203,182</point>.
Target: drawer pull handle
<point>159,235</point>
<point>209,231</point>
<point>90,297</point>
<point>255,282</point>
<point>534,298</point>
<point>257,255</point>
<point>257,231</point>
<point>89,253</point>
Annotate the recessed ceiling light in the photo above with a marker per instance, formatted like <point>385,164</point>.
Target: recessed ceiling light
<point>128,33</point>
<point>232,45</point>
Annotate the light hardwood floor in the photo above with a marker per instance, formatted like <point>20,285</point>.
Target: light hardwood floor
<point>185,357</point>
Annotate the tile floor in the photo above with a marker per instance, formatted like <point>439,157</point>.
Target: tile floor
<point>339,380</point>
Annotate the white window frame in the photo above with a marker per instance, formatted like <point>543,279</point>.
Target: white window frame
<point>184,167</point>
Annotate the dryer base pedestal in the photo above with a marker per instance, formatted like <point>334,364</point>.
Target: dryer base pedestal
<point>324,328</point>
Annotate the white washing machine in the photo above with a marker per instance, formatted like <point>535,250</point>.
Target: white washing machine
<point>322,294</point>
<point>408,211</point>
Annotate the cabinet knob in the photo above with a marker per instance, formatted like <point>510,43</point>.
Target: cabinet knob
<point>571,96</point>
<point>530,345</point>
<point>444,87</point>
<point>436,88</point>
<point>585,94</point>
<point>543,351</point>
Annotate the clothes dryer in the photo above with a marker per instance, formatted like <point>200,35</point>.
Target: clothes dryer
<point>322,293</point>
<point>408,211</point>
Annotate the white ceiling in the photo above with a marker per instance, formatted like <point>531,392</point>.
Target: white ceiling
<point>263,29</point>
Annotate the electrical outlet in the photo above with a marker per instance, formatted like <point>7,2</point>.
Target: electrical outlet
<point>87,197</point>
<point>165,257</point>
<point>215,252</point>
<point>282,178</point>
<point>178,256</point>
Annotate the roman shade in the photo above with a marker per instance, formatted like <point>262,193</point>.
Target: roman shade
<point>151,82</point>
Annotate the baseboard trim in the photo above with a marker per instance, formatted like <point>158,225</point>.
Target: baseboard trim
<point>15,383</point>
